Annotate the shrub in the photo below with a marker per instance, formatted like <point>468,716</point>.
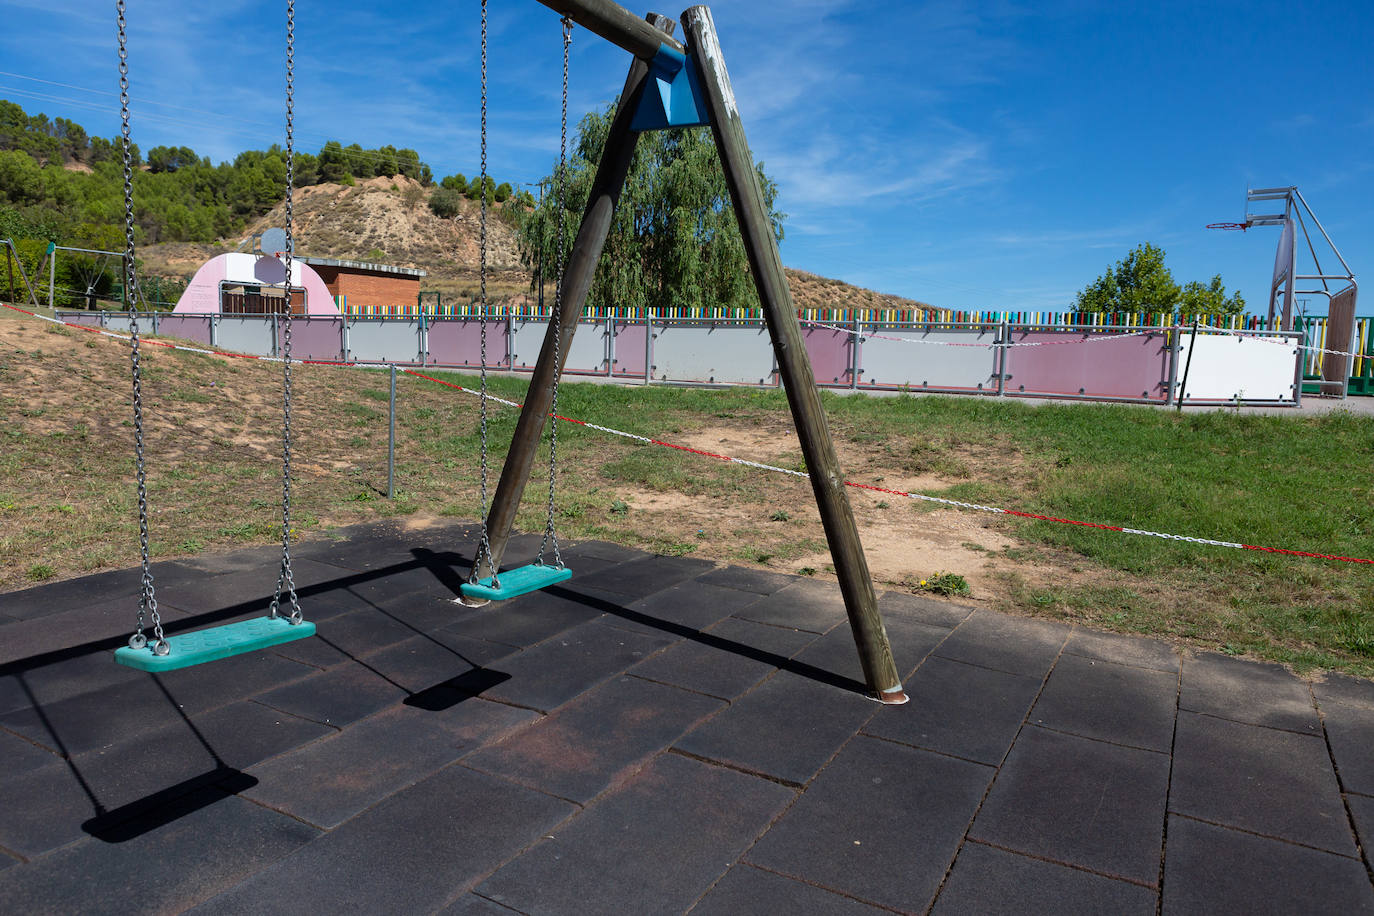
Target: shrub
<point>446,202</point>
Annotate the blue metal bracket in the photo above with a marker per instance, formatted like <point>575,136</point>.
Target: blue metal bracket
<point>672,95</point>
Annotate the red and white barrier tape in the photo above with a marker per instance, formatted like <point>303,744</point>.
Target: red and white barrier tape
<point>741,461</point>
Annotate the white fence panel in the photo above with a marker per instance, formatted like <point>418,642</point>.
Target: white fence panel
<point>1238,367</point>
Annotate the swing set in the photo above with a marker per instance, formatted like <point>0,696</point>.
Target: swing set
<point>671,84</point>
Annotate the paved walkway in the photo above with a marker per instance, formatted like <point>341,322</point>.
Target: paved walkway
<point>656,736</point>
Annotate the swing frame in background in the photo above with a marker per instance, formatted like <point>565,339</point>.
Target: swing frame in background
<point>650,40</point>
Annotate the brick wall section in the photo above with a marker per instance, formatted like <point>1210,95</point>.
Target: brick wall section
<point>367,288</point>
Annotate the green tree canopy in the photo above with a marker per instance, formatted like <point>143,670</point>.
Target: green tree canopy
<point>674,239</point>
<point>1141,282</point>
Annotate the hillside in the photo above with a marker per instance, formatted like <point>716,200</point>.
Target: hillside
<point>386,220</point>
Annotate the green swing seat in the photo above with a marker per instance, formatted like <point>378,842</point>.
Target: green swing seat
<point>200,646</point>
<point>515,582</point>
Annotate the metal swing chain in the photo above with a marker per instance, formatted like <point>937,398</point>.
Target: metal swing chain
<point>555,325</point>
<point>484,545</point>
<point>147,602</point>
<point>286,582</point>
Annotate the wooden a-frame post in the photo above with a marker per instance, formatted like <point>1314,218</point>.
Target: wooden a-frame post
<point>646,39</point>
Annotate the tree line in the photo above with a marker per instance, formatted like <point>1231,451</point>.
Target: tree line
<point>60,184</point>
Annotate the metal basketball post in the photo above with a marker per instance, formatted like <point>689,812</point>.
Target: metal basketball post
<point>695,89</point>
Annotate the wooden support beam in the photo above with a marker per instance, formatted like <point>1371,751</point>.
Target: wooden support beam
<point>577,280</point>
<point>794,366</point>
<point>619,26</point>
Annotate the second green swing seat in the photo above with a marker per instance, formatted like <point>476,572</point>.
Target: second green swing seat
<point>200,646</point>
<point>518,581</point>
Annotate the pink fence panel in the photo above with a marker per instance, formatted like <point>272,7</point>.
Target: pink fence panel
<point>458,342</point>
<point>313,338</point>
<point>187,327</point>
<point>629,349</point>
<point>830,354</point>
<point>1097,365</point>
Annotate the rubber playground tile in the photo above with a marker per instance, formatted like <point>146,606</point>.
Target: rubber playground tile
<point>654,845</point>
<point>435,579</point>
<point>336,697</point>
<point>49,682</point>
<point>923,610</point>
<point>182,753</point>
<point>43,809</point>
<point>804,605</point>
<point>694,604</point>
<point>98,588</point>
<point>1209,869</point>
<point>104,625</point>
<point>419,663</point>
<point>1259,779</point>
<point>360,633</point>
<point>474,905</point>
<point>1253,692</point>
<point>218,683</point>
<point>411,853</point>
<point>601,550</point>
<point>1362,812</point>
<point>756,581</point>
<point>1110,702</point>
<point>587,745</point>
<point>217,842</point>
<point>642,577</point>
<point>20,756</point>
<point>724,660</point>
<point>553,672</point>
<point>89,721</point>
<point>881,823</point>
<point>1350,732</point>
<point>1340,688</point>
<point>1011,644</point>
<point>788,727</point>
<point>315,652</point>
<point>1080,802</point>
<point>958,709</point>
<point>1135,651</point>
<point>837,652</point>
<point>247,590</point>
<point>331,780</point>
<point>749,891</point>
<point>993,882</point>
<point>526,620</point>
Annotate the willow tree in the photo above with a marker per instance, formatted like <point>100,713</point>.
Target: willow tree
<point>674,240</point>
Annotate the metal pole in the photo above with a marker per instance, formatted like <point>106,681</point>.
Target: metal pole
<point>1187,364</point>
<point>794,366</point>
<point>1175,344</point>
<point>391,442</point>
<point>52,280</point>
<point>1000,360</point>
<point>577,280</point>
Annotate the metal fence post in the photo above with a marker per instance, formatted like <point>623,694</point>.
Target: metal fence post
<point>391,441</point>
<point>1000,360</point>
<point>854,340</point>
<point>648,345</point>
<point>1175,339</point>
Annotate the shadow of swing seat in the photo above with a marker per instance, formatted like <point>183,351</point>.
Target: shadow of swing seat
<point>200,646</point>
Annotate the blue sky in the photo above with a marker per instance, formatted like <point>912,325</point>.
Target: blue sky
<point>972,155</point>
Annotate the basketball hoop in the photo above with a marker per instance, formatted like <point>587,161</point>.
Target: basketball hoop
<point>1230,226</point>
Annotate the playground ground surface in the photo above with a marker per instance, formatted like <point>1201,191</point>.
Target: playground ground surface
<point>658,735</point>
